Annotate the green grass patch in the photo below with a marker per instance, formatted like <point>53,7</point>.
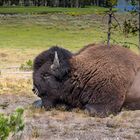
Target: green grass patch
<point>72,35</point>
<point>22,37</point>
<point>45,10</point>
<point>41,37</point>
<point>43,31</point>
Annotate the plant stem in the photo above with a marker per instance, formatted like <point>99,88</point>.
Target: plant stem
<point>109,27</point>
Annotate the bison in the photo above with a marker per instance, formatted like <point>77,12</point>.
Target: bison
<point>99,79</point>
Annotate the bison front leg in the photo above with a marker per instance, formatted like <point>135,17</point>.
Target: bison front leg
<point>105,109</point>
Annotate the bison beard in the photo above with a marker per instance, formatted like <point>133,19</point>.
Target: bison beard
<point>99,79</point>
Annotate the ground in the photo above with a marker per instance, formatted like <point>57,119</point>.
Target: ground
<point>22,37</point>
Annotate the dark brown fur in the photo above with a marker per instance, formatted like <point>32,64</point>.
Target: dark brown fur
<point>102,80</point>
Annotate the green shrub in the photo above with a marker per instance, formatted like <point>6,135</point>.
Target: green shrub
<point>11,124</point>
<point>28,65</point>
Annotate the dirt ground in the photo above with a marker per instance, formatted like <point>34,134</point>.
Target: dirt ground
<point>59,124</point>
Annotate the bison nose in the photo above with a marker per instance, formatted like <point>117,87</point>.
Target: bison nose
<point>35,90</point>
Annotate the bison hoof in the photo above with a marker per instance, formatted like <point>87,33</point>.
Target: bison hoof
<point>37,104</point>
<point>95,110</point>
<point>90,112</point>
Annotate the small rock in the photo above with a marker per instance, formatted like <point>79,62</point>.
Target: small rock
<point>37,104</point>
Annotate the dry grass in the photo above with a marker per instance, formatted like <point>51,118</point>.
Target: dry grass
<point>15,84</point>
<point>56,124</point>
<point>15,57</point>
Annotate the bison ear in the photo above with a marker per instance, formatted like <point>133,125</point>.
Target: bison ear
<point>56,63</point>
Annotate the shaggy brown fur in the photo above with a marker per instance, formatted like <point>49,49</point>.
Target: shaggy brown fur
<point>102,80</point>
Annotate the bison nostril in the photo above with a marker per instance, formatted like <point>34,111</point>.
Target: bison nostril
<point>33,89</point>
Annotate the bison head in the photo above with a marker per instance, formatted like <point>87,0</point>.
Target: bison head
<point>48,78</point>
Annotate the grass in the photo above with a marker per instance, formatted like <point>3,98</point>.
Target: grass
<point>45,31</point>
<point>24,36</point>
<point>12,84</point>
<point>35,36</point>
<point>46,10</point>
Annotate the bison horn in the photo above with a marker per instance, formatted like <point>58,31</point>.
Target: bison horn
<point>56,63</point>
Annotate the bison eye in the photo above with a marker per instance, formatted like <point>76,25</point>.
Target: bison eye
<point>45,76</point>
